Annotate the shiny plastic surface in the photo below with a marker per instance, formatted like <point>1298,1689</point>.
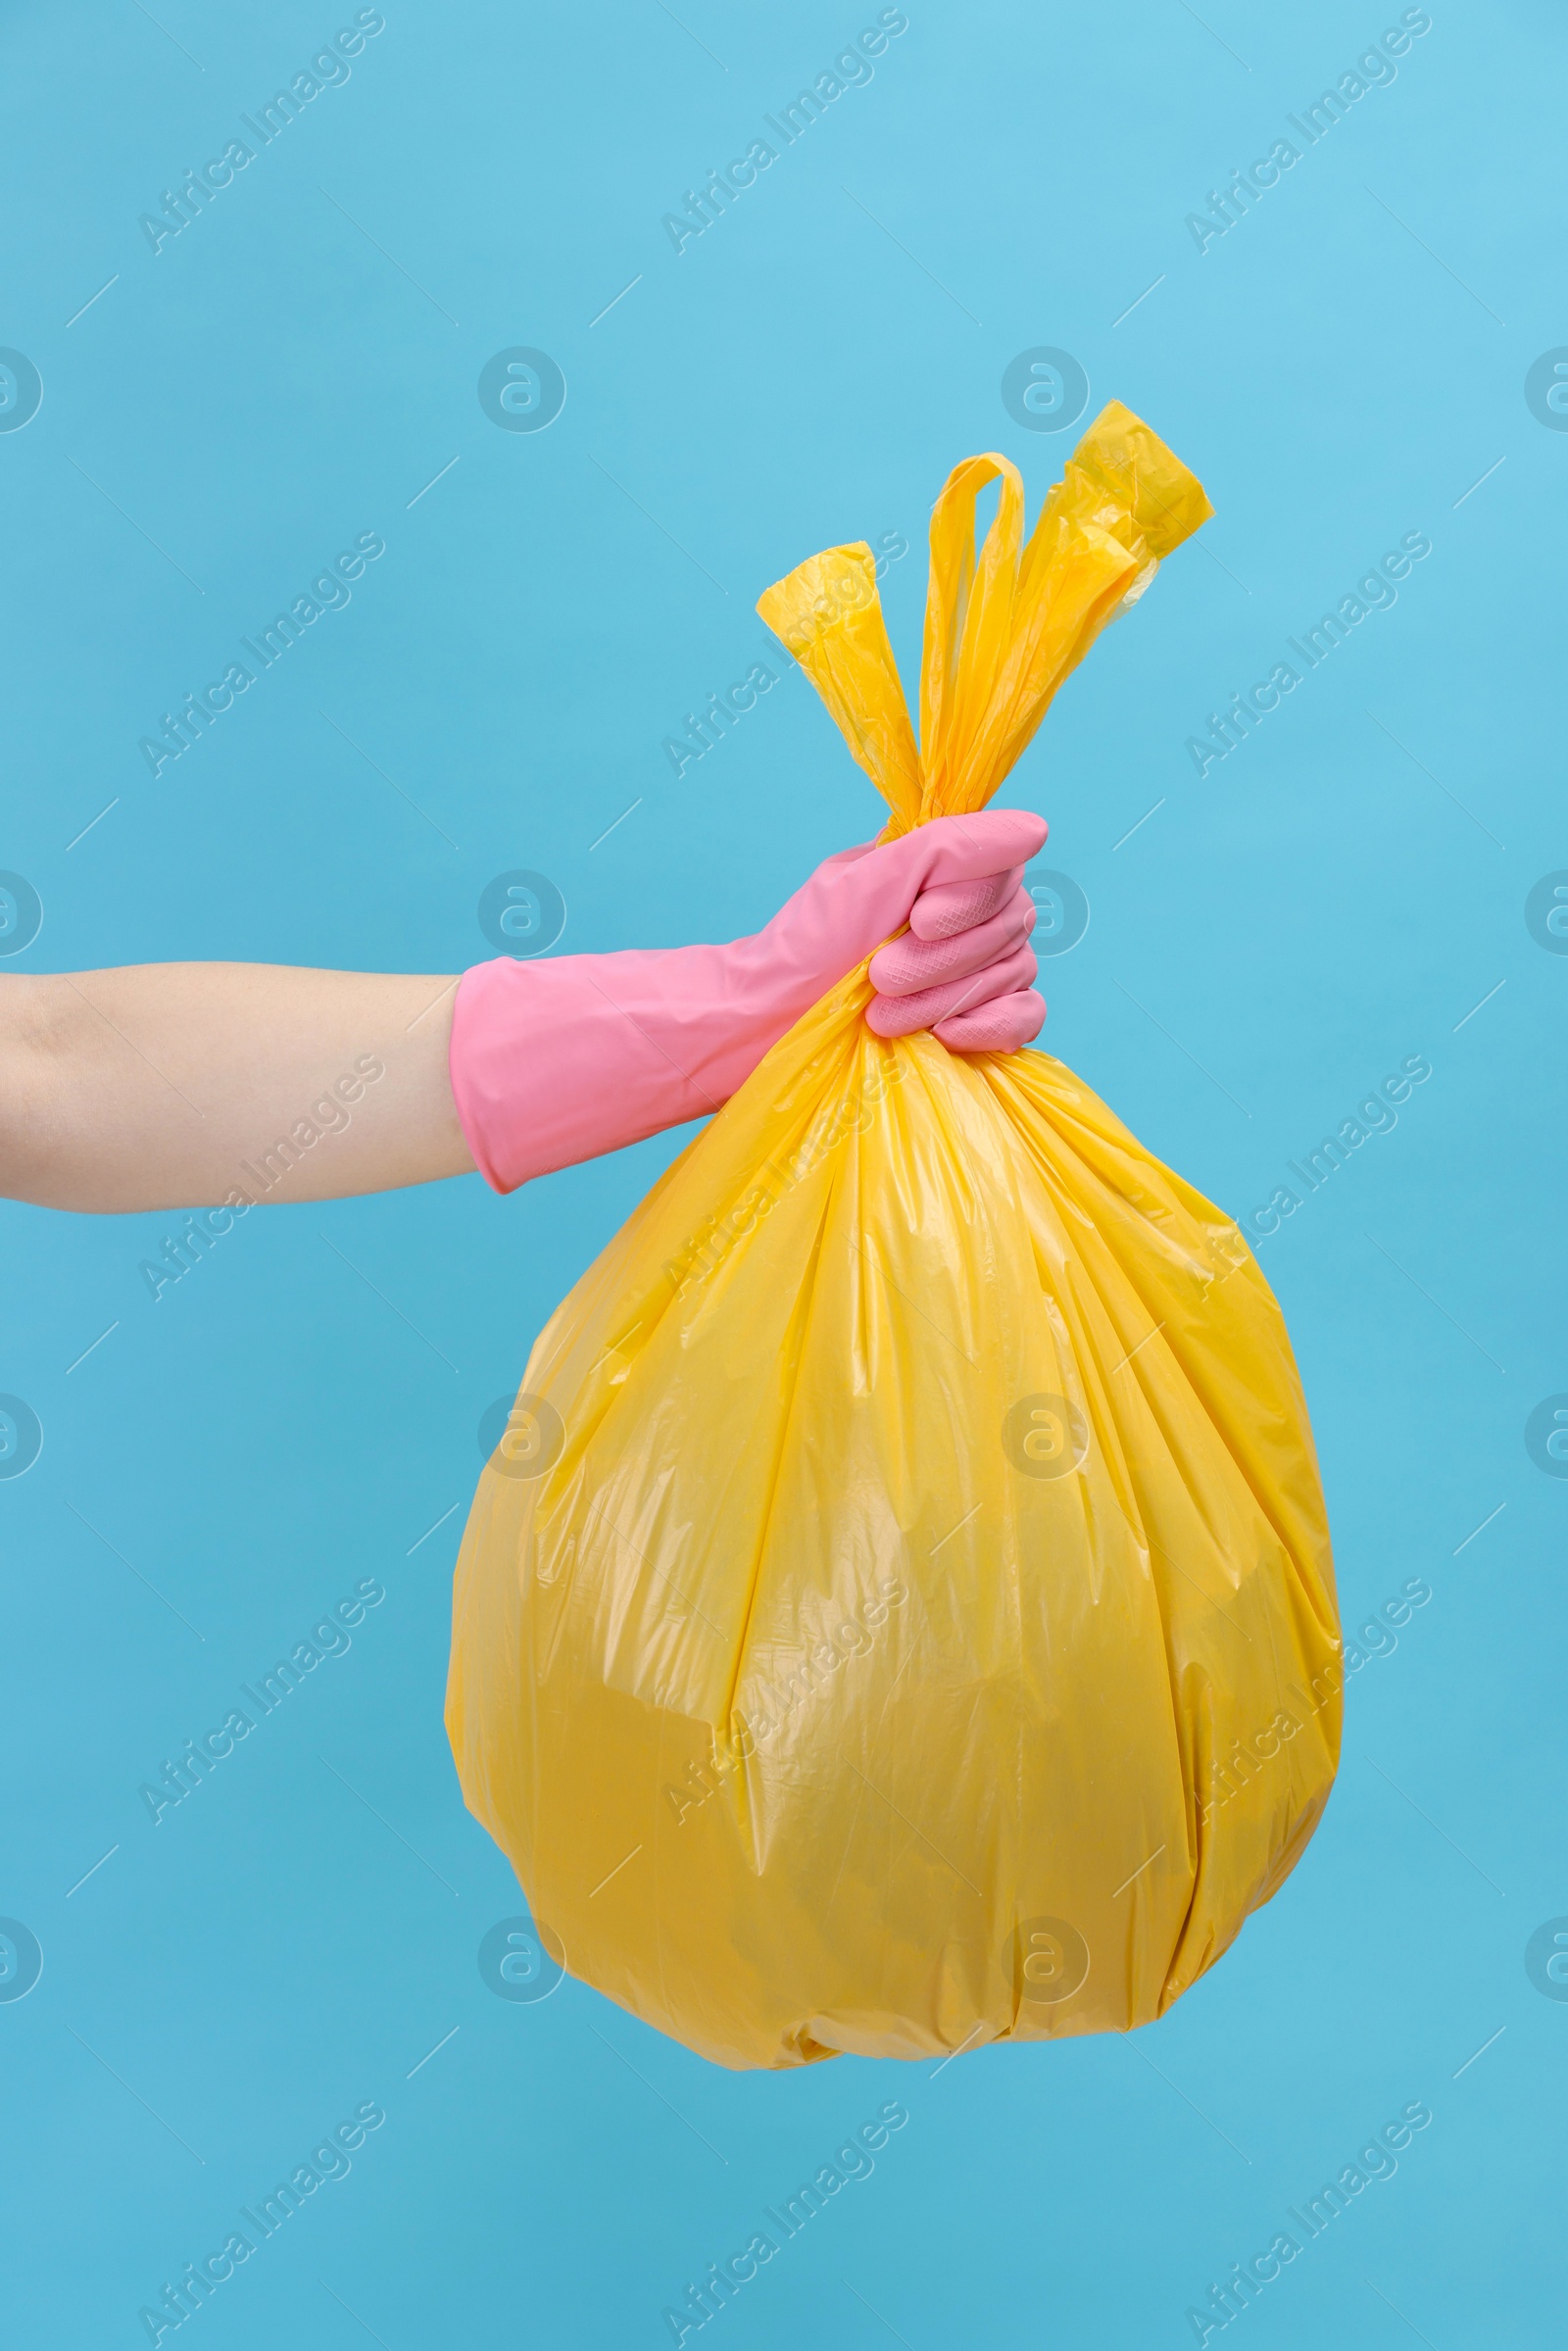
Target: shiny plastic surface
<point>901,1615</point>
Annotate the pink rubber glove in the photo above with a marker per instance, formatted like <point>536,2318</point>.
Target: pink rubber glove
<point>554,1061</point>
<point>964,971</point>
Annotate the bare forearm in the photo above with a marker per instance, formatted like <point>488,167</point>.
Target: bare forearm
<point>172,1085</point>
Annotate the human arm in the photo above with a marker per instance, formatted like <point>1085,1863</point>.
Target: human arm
<point>557,1061</point>
<point>172,1085</point>
<point>179,1085</point>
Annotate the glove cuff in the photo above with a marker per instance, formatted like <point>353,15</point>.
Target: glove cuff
<point>554,1063</point>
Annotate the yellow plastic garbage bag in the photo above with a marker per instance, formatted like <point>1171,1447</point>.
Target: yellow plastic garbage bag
<point>901,1615</point>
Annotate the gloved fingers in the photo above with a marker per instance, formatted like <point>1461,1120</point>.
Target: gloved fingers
<point>857,901</point>
<point>1001,1026</point>
<point>901,1015</point>
<point>948,907</point>
<point>968,849</point>
<point>911,964</point>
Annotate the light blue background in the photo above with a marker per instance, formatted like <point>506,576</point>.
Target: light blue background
<point>1339,368</point>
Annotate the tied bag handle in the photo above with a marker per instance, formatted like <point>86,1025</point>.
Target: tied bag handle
<point>969,622</point>
<point>829,614</point>
<point>1001,631</point>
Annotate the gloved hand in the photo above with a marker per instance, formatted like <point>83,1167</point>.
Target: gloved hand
<point>966,969</point>
<point>554,1061</point>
